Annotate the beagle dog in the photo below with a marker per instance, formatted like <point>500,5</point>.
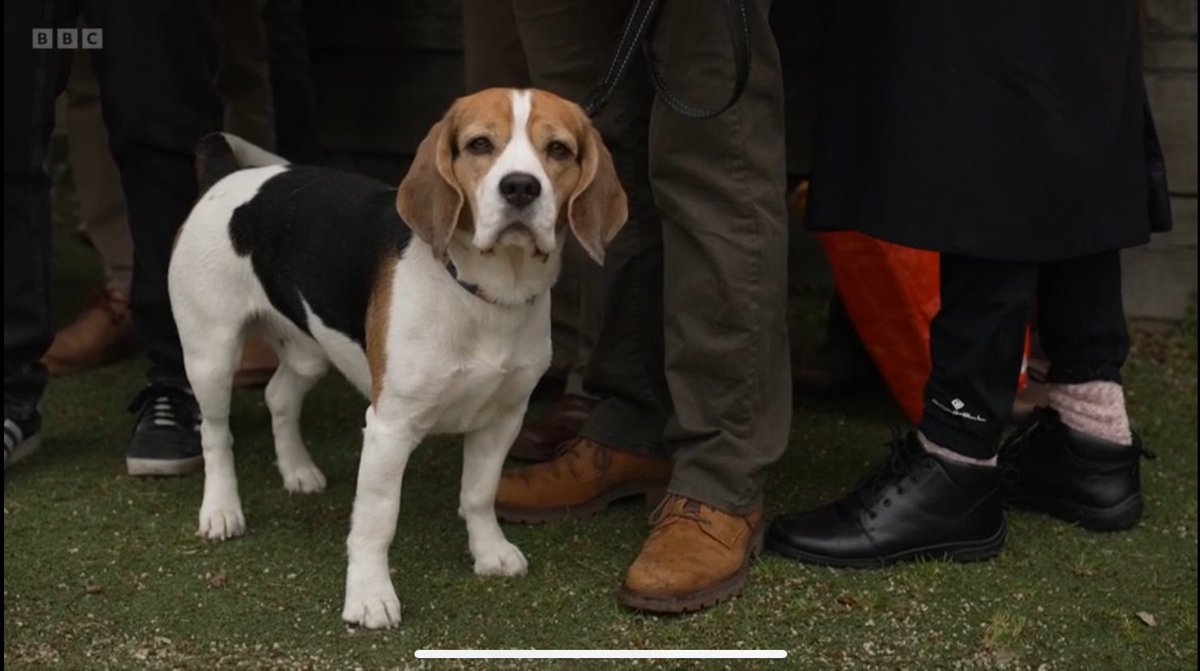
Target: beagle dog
<point>433,299</point>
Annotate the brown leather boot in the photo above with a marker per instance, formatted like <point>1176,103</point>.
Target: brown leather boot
<point>258,364</point>
<point>583,480</point>
<point>100,335</point>
<point>540,439</point>
<point>695,557</point>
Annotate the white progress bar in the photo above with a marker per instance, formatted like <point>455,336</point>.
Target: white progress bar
<point>601,654</point>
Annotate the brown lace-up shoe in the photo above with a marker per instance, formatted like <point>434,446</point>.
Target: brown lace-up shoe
<point>583,480</point>
<point>258,364</point>
<point>540,439</point>
<point>695,557</point>
<point>100,335</point>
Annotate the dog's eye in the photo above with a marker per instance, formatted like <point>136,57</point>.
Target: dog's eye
<point>480,146</point>
<point>558,151</point>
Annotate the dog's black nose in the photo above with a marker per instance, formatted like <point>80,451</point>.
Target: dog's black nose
<point>520,188</point>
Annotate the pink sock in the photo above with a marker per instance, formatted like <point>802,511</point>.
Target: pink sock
<point>950,455</point>
<point>1096,409</point>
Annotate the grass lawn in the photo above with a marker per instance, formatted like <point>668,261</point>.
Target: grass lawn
<point>102,571</point>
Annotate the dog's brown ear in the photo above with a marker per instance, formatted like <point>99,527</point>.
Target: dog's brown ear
<point>598,207</point>
<point>430,199</point>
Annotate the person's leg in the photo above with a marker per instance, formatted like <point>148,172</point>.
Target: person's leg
<point>568,46</point>
<point>243,78</point>
<point>292,90</point>
<point>615,451</point>
<point>97,180</point>
<point>33,78</point>
<point>154,121</point>
<point>493,54</point>
<point>720,186</point>
<point>936,495</point>
<point>1082,325</point>
<point>1078,459</point>
<point>103,332</point>
<point>977,341</point>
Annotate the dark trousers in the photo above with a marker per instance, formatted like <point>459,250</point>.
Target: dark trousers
<point>977,339</point>
<point>155,72</point>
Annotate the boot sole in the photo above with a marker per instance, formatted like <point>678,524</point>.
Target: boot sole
<point>24,450</point>
<point>701,599</point>
<point>163,467</point>
<point>652,491</point>
<point>962,552</point>
<point>1118,517</point>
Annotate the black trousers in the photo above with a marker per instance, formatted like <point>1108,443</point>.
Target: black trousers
<point>977,339</point>
<point>155,70</point>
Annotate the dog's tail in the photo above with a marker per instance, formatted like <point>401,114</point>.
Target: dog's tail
<point>220,154</point>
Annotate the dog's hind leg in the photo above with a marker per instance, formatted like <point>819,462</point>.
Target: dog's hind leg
<point>211,361</point>
<point>299,369</point>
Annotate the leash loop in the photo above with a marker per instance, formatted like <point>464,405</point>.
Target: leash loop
<point>638,27</point>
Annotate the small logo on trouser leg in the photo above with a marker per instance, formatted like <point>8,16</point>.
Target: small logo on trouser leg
<point>956,408</point>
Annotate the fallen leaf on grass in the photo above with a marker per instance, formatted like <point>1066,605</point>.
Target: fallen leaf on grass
<point>1147,619</point>
<point>94,588</point>
<point>218,581</point>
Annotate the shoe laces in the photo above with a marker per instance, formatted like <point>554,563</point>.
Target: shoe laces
<point>104,301</point>
<point>166,407</point>
<point>898,468</point>
<point>669,507</point>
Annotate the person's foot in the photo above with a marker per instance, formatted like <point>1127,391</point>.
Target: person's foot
<point>913,506</point>
<point>22,437</point>
<point>166,438</point>
<point>583,480</point>
<point>102,334</point>
<point>696,557</point>
<point>540,439</point>
<point>258,364</point>
<point>1054,469</point>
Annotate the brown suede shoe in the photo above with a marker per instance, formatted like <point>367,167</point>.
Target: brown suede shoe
<point>584,480</point>
<point>100,335</point>
<point>695,557</point>
<point>258,364</point>
<point>540,439</point>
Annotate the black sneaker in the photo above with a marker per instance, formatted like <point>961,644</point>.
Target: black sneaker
<point>166,439</point>
<point>22,437</point>
<point>1054,469</point>
<point>912,507</point>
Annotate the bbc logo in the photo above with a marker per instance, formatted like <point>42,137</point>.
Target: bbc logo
<point>68,38</point>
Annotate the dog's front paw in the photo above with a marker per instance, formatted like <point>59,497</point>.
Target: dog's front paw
<point>218,523</point>
<point>306,479</point>
<point>501,559</point>
<point>377,608</point>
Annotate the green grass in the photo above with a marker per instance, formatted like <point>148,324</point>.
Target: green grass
<point>102,571</point>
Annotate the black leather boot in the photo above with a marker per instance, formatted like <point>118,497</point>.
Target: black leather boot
<point>1054,469</point>
<point>913,506</point>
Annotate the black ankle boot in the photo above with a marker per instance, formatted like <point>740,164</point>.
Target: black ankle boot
<point>913,506</point>
<point>1054,469</point>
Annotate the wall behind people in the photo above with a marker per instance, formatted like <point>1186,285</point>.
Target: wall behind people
<point>1160,279</point>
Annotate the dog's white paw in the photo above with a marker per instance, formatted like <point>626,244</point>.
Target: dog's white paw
<point>500,559</point>
<point>218,523</point>
<point>373,608</point>
<point>306,479</point>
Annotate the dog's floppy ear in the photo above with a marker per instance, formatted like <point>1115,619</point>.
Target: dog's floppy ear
<point>598,207</point>
<point>430,199</point>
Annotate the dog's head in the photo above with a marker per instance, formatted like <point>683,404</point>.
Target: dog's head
<point>513,168</point>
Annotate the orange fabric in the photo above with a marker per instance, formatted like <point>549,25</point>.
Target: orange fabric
<point>891,294</point>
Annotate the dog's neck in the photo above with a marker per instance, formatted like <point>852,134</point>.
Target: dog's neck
<point>507,276</point>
